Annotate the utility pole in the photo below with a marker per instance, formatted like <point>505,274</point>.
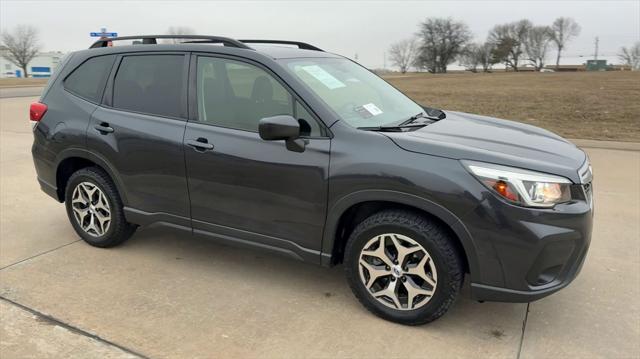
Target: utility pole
<point>596,53</point>
<point>384,60</point>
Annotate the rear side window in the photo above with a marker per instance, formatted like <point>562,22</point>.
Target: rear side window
<point>152,84</point>
<point>88,80</point>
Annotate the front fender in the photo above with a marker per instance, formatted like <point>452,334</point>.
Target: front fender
<point>343,204</point>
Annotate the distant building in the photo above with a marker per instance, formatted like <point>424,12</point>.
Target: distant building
<point>596,65</point>
<point>41,66</point>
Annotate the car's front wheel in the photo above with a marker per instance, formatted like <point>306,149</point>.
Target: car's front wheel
<point>95,209</point>
<point>403,267</point>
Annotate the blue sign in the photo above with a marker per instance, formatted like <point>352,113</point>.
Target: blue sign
<point>40,71</point>
<point>103,34</point>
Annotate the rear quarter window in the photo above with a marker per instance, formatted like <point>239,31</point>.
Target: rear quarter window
<point>88,80</point>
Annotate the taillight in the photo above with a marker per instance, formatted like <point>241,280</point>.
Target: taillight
<point>36,112</point>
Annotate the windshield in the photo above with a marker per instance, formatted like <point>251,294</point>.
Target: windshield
<point>358,96</point>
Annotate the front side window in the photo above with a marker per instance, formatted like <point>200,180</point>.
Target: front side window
<point>359,97</point>
<point>237,95</point>
<point>89,79</point>
<point>152,84</point>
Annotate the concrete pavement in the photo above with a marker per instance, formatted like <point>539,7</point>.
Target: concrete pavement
<point>163,294</point>
<point>34,335</point>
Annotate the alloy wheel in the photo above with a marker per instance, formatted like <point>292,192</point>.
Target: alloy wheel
<point>397,271</point>
<point>91,209</point>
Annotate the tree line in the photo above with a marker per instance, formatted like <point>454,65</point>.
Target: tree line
<point>441,41</point>
<point>438,43</point>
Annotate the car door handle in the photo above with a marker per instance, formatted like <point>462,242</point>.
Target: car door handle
<point>200,144</point>
<point>104,128</point>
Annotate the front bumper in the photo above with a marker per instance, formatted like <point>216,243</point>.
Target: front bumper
<point>527,254</point>
<point>483,292</point>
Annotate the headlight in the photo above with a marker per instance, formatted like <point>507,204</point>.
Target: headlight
<point>522,187</point>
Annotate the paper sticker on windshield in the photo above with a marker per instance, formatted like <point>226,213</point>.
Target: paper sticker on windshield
<point>373,109</point>
<point>321,75</point>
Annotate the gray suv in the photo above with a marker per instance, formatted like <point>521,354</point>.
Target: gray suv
<point>284,147</point>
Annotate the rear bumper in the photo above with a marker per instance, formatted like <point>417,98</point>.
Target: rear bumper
<point>43,163</point>
<point>49,189</point>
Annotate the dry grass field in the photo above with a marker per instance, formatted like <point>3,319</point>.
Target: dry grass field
<point>589,105</point>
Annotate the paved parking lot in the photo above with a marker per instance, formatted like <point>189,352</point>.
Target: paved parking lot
<point>166,295</point>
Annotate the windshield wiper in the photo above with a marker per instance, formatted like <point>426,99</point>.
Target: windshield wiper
<point>394,128</point>
<point>420,115</point>
<point>413,118</point>
<point>408,123</point>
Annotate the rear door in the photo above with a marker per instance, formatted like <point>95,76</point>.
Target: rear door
<point>139,131</point>
<point>240,185</point>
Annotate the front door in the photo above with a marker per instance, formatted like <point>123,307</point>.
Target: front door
<point>241,186</point>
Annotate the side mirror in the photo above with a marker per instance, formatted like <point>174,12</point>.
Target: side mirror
<point>282,127</point>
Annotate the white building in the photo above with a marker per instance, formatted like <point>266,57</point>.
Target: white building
<point>41,66</point>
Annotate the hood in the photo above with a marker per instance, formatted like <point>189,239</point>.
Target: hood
<point>472,137</point>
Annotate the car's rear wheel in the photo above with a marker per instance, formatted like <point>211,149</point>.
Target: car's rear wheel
<point>403,267</point>
<point>95,209</point>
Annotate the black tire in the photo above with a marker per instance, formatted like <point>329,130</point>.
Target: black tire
<point>119,230</point>
<point>432,237</point>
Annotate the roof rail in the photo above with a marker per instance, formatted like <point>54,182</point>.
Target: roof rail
<point>301,45</point>
<point>152,39</point>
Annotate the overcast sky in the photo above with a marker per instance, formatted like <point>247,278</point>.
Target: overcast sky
<point>366,28</point>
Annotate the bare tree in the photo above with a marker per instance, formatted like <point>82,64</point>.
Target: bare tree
<point>179,30</point>
<point>485,55</point>
<point>631,56</point>
<point>478,55</point>
<point>509,42</point>
<point>537,45</point>
<point>21,46</point>
<point>442,40</point>
<point>469,57</point>
<point>502,50</point>
<point>403,53</point>
<point>563,30</point>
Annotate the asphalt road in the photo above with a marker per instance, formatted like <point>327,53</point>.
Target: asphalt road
<point>163,294</point>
